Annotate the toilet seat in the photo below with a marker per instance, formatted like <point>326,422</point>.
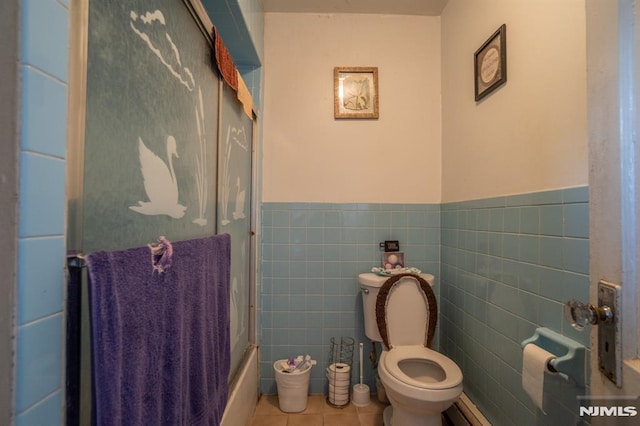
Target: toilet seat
<point>414,295</point>
<point>395,357</point>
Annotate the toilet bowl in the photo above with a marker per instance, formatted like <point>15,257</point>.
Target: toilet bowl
<point>420,383</point>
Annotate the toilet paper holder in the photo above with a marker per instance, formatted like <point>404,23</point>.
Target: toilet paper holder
<point>570,361</point>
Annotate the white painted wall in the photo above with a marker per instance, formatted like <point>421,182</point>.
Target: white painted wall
<point>311,157</point>
<point>531,134</point>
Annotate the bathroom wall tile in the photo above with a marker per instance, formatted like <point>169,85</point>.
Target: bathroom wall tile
<point>511,246</point>
<point>493,202</point>
<point>535,198</point>
<point>44,36</point>
<point>551,252</point>
<point>482,223</point>
<point>496,244</point>
<point>530,220</point>
<point>574,286</point>
<point>528,277</point>
<point>578,225</point>
<point>551,220</point>
<point>550,314</point>
<point>512,219</point>
<point>576,195</point>
<point>525,307</point>
<point>39,370</point>
<point>575,253</point>
<point>40,278</point>
<point>528,248</point>
<point>502,321</point>
<point>283,218</point>
<point>44,101</point>
<point>42,185</point>
<point>267,236</point>
<point>314,236</point>
<point>280,235</point>
<point>471,219</point>
<point>332,236</point>
<point>399,219</point>
<point>531,265</point>
<point>482,242</point>
<point>45,412</point>
<point>496,219</point>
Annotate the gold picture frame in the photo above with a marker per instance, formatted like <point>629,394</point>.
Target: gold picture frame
<point>490,64</point>
<point>355,92</point>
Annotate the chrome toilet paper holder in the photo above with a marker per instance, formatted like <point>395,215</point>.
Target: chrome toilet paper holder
<point>570,361</point>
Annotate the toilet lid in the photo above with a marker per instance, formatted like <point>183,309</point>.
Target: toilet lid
<point>406,311</point>
<point>395,357</point>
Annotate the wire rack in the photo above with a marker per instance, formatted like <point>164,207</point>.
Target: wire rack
<point>340,370</point>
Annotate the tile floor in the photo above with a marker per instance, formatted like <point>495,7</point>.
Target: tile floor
<point>317,413</point>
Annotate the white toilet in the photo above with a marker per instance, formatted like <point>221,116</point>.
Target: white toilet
<point>401,312</point>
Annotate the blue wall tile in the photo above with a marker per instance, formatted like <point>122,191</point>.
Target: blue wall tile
<point>578,225</point>
<point>551,220</point>
<point>45,413</point>
<point>534,258</point>
<point>42,201</point>
<point>40,277</point>
<point>44,101</point>
<point>44,36</point>
<point>39,355</point>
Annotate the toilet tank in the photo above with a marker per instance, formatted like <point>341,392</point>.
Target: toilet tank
<point>370,284</point>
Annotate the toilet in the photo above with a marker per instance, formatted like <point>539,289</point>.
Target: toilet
<point>401,313</point>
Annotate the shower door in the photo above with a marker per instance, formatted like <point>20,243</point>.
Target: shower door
<point>234,215</point>
<point>144,89</point>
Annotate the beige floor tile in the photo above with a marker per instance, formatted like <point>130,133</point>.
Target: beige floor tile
<point>268,406</point>
<point>371,419</point>
<point>264,420</point>
<point>341,419</point>
<point>305,420</point>
<point>347,409</point>
<point>374,406</point>
<point>315,404</point>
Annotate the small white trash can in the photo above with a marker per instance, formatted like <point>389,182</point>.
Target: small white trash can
<point>293,388</point>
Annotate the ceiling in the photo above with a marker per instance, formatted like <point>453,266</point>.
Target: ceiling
<point>383,7</point>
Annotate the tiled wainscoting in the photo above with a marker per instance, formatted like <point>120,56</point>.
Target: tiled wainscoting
<point>508,266</point>
<point>312,255</point>
<point>504,266</point>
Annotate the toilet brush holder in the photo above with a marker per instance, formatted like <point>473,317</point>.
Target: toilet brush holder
<point>361,395</point>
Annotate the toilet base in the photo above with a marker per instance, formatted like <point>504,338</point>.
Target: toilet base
<point>386,415</point>
<point>402,419</point>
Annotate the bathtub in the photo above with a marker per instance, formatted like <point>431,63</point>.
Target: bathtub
<point>243,394</point>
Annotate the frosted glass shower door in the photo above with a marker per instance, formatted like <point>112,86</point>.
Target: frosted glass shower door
<point>234,214</point>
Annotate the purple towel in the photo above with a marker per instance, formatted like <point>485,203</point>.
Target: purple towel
<point>160,340</point>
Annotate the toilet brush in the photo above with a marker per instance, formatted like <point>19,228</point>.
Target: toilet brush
<point>361,391</point>
<point>361,349</point>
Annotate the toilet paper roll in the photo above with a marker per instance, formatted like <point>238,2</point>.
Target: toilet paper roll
<point>534,367</point>
<point>339,367</point>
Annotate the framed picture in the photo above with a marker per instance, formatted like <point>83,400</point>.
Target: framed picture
<point>490,63</point>
<point>355,92</point>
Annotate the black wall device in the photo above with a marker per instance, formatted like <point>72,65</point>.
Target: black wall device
<point>392,245</point>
